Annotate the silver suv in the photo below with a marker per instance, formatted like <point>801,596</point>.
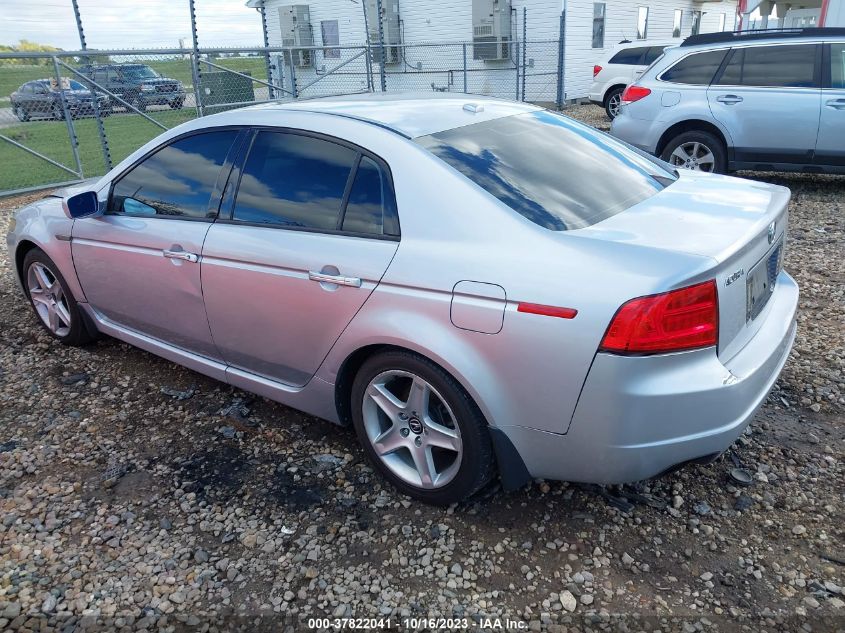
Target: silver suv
<point>764,100</point>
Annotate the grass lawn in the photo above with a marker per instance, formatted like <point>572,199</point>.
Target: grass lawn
<point>126,133</point>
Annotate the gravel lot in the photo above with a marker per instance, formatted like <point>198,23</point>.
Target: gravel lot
<point>138,495</point>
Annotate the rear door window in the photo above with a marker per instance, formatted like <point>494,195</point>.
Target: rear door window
<point>837,66</point>
<point>697,69</point>
<point>558,173</point>
<point>653,53</point>
<point>630,56</point>
<point>792,66</point>
<point>371,207</point>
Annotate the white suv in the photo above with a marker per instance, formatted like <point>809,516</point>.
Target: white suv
<point>622,67</point>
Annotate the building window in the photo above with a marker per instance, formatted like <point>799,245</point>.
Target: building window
<point>696,23</point>
<point>331,37</point>
<point>598,24</point>
<point>678,23</point>
<point>642,23</point>
<point>722,22</point>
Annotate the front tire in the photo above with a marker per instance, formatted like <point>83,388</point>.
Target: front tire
<point>613,101</point>
<point>21,113</point>
<point>51,299</point>
<point>420,429</point>
<point>697,151</point>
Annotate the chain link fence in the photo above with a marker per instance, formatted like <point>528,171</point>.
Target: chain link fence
<point>73,115</point>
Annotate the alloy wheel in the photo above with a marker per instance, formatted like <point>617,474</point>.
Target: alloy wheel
<point>613,105</point>
<point>693,155</point>
<point>412,429</point>
<point>49,299</point>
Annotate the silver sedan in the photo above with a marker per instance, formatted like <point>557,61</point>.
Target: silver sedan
<point>481,288</point>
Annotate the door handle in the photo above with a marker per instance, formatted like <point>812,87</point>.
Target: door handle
<point>184,255</point>
<point>729,99</point>
<point>338,280</point>
<point>836,104</point>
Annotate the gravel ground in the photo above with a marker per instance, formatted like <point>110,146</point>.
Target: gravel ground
<point>137,495</point>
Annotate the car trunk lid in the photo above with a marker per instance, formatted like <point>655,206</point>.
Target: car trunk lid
<point>739,224</point>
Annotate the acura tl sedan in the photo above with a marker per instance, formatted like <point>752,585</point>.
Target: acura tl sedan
<point>481,288</point>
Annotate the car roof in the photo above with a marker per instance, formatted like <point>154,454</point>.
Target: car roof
<point>411,114</point>
<point>733,39</point>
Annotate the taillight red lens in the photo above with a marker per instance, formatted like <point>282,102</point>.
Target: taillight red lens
<point>634,93</point>
<point>678,320</point>
<point>596,70</point>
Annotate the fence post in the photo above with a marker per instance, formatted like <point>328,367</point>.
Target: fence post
<point>267,63</point>
<point>195,59</point>
<point>561,63</point>
<point>78,16</point>
<point>524,48</point>
<point>465,66</point>
<point>293,91</point>
<point>71,131</point>
<point>383,55</point>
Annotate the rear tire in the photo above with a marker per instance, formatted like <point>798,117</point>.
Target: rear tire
<point>52,301</point>
<point>177,105</point>
<point>436,447</point>
<point>613,101</point>
<point>697,151</point>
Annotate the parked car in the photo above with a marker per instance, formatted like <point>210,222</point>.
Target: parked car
<point>43,98</point>
<point>137,84</point>
<point>551,308</point>
<point>621,67</point>
<point>756,100</point>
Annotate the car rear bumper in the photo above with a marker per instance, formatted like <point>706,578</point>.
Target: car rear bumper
<point>638,417</point>
<point>637,132</point>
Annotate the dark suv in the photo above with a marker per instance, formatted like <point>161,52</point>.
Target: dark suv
<point>138,84</point>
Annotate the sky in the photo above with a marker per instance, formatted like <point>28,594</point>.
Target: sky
<point>129,23</point>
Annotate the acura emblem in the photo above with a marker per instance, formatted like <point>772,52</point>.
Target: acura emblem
<point>772,228</point>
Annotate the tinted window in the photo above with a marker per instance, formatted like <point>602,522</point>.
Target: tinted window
<point>653,53</point>
<point>175,181</point>
<point>370,208</point>
<point>294,180</point>
<point>777,66</point>
<point>837,65</point>
<point>556,172</point>
<point>697,69</point>
<point>630,56</point>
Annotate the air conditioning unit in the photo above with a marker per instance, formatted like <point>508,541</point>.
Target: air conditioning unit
<point>390,30</point>
<point>295,22</point>
<point>491,29</point>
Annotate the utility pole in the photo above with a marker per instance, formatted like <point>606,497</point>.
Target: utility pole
<point>383,56</point>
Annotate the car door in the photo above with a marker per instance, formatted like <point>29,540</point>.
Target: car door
<point>138,264</point>
<point>830,147</point>
<point>310,232</point>
<point>768,98</point>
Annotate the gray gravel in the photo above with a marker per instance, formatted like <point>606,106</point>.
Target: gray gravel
<point>137,495</point>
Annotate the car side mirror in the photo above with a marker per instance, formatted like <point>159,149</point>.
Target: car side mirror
<point>82,205</point>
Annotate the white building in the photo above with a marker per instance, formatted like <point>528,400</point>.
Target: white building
<point>591,31</point>
<point>763,14</point>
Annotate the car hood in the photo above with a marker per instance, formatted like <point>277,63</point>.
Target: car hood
<point>85,185</point>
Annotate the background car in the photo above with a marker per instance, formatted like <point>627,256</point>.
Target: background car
<point>620,68</point>
<point>138,84</point>
<point>552,308</point>
<point>768,101</point>
<point>42,98</point>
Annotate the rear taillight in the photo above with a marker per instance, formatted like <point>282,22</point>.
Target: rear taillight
<point>682,319</point>
<point>596,70</point>
<point>634,93</point>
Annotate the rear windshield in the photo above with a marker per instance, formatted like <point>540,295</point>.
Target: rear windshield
<point>556,172</point>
